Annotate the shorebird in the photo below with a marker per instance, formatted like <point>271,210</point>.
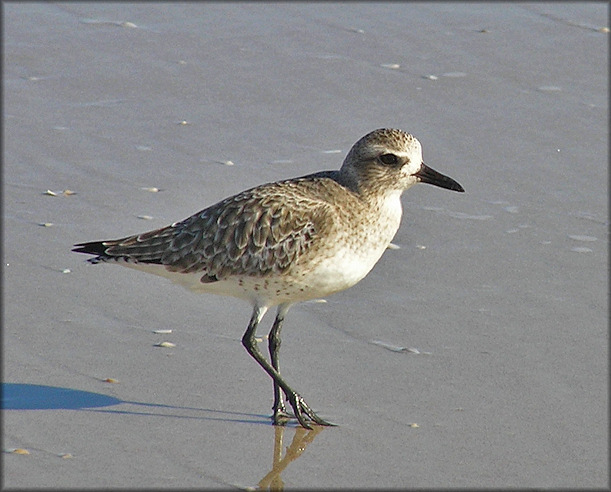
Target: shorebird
<point>286,242</point>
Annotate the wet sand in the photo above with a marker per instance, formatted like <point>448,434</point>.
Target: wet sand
<point>474,355</point>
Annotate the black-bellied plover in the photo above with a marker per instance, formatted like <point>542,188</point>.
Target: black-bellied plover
<point>286,242</point>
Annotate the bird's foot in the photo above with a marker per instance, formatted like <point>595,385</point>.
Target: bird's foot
<point>303,412</point>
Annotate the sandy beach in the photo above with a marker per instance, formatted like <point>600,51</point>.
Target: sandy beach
<point>474,355</point>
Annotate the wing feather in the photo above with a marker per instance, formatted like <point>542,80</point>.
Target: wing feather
<point>258,232</point>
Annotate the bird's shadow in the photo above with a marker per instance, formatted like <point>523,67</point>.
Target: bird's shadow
<point>22,396</point>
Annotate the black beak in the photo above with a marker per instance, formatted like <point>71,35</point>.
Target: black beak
<point>430,176</point>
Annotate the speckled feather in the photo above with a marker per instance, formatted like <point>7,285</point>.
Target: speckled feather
<point>259,232</point>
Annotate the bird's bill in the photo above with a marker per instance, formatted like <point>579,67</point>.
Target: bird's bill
<point>430,176</point>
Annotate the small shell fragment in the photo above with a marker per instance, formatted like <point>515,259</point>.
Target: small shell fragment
<point>55,193</point>
<point>414,425</point>
<point>223,162</point>
<point>165,344</point>
<point>397,348</point>
<point>162,332</point>
<point>393,246</point>
<point>577,237</point>
<point>46,224</point>
<point>152,189</point>
<point>388,346</point>
<point>19,451</point>
<point>581,250</point>
<point>111,380</point>
<point>145,217</point>
<point>66,456</point>
<point>393,66</point>
<point>66,270</point>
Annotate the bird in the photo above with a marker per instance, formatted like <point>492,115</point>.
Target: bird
<point>286,242</point>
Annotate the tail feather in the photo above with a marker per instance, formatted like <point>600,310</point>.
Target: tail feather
<point>96,248</point>
<point>93,248</point>
<point>103,251</point>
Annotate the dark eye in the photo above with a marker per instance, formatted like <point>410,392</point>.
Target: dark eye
<point>389,159</point>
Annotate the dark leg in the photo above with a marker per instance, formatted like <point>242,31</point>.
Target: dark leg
<point>274,342</point>
<point>300,407</point>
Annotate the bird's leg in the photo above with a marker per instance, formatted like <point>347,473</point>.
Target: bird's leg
<point>274,341</point>
<point>300,407</point>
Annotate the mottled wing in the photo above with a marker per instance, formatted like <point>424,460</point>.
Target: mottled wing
<point>254,233</point>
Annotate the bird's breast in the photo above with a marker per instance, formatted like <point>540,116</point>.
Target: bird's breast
<point>345,256</point>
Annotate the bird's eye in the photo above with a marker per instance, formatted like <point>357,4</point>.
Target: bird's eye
<point>389,159</point>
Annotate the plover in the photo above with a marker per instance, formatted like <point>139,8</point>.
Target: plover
<point>286,242</point>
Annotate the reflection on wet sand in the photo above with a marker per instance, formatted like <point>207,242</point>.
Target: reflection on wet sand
<point>273,481</point>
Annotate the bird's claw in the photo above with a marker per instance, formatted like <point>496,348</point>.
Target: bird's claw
<point>302,412</point>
